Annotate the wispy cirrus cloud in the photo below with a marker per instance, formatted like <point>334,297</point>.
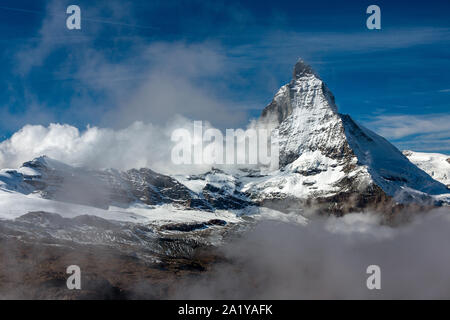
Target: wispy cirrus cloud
<point>418,132</point>
<point>133,80</point>
<point>308,44</point>
<point>111,75</point>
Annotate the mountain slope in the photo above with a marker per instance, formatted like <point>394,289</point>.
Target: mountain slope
<point>437,165</point>
<point>54,180</point>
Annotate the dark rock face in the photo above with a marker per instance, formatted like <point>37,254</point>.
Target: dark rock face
<point>278,110</point>
<point>221,199</point>
<point>153,188</point>
<point>187,227</point>
<point>302,69</point>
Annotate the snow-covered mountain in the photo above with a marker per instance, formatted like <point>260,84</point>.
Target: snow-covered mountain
<point>329,158</point>
<point>54,180</point>
<point>138,212</point>
<point>327,161</point>
<point>437,165</point>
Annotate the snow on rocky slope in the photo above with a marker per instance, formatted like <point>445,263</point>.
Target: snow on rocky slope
<point>54,180</point>
<point>133,211</point>
<point>327,157</point>
<point>437,165</point>
<point>327,160</point>
<point>138,196</point>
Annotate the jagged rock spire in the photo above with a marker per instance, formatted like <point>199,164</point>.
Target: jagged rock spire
<point>306,91</point>
<point>302,69</point>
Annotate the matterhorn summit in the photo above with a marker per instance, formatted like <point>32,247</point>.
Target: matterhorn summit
<point>307,116</point>
<point>327,158</point>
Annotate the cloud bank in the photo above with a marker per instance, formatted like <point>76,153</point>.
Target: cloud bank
<point>328,259</point>
<point>139,145</point>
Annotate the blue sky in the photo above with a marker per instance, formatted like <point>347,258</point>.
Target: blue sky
<point>223,61</point>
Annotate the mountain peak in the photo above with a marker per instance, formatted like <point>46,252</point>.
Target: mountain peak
<point>306,91</point>
<point>36,162</point>
<point>46,162</point>
<point>302,69</point>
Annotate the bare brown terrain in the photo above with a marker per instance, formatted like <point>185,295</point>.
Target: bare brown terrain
<point>32,268</point>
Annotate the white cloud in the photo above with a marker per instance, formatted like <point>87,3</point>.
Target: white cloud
<point>139,145</point>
